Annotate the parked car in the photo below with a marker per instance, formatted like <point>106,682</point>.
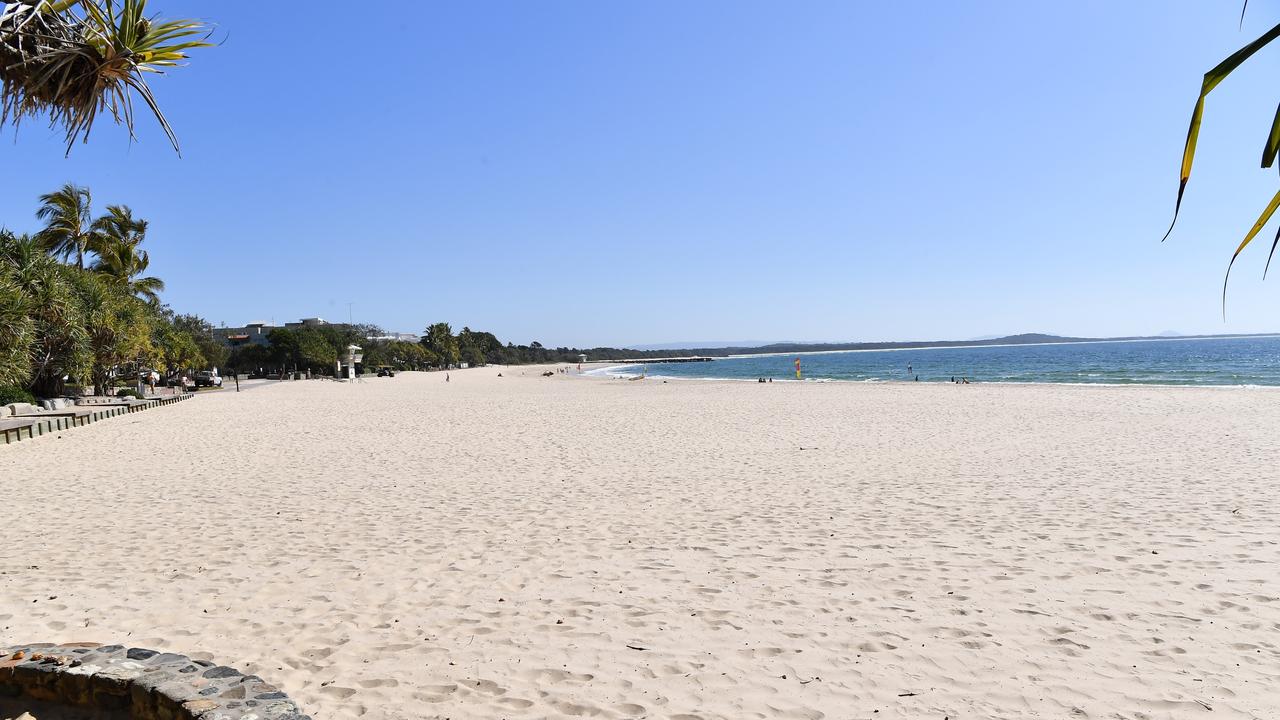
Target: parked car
<point>208,378</point>
<point>386,372</point>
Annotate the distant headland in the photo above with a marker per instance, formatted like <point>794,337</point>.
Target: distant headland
<point>810,347</point>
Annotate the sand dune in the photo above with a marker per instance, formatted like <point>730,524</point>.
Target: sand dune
<point>526,547</point>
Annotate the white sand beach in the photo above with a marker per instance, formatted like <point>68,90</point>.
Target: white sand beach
<point>526,547</point>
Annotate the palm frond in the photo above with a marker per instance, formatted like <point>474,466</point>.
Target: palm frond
<point>1211,81</point>
<point>1248,238</point>
<point>72,66</point>
<point>66,212</point>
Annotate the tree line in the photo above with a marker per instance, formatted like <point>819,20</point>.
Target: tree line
<point>480,348</point>
<point>319,348</point>
<point>77,307</point>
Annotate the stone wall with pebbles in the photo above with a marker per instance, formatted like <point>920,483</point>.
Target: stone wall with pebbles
<point>146,684</point>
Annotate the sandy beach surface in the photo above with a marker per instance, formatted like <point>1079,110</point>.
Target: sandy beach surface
<point>524,547</point>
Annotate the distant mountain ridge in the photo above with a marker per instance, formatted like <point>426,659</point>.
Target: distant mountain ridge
<point>669,350</point>
<point>707,344</point>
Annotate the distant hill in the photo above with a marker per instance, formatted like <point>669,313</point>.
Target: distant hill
<point>651,353</point>
<point>705,344</point>
<point>535,353</point>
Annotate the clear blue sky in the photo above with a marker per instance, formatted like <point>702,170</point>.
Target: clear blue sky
<point>607,173</point>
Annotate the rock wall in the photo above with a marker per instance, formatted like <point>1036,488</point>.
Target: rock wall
<point>147,684</point>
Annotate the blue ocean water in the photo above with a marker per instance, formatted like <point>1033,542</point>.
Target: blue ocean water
<point>1217,361</point>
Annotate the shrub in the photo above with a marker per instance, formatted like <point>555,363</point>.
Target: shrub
<point>128,392</point>
<point>10,394</point>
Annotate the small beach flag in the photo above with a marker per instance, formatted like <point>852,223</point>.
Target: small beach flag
<point>797,368</point>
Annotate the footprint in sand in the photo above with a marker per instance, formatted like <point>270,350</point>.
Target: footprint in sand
<point>337,691</point>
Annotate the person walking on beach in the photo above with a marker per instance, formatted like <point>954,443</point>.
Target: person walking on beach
<point>446,377</point>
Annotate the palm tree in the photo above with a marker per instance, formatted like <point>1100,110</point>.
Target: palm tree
<point>116,237</point>
<point>119,223</point>
<point>67,213</point>
<point>439,339</point>
<point>71,59</point>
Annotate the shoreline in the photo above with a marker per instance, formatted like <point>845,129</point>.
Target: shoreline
<point>1199,365</point>
<point>604,374</point>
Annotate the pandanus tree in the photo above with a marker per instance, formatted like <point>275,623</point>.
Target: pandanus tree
<point>1270,148</point>
<point>59,342</point>
<point>16,325</point>
<point>70,60</point>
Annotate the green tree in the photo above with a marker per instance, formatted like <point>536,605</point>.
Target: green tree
<point>116,239</point>
<point>413,356</point>
<point>315,351</point>
<point>475,347</point>
<point>17,329</point>
<point>284,347</point>
<point>60,323</point>
<point>249,358</point>
<point>59,347</point>
<point>439,339</point>
<point>117,326</point>
<point>68,230</point>
<point>214,353</point>
<point>179,350</point>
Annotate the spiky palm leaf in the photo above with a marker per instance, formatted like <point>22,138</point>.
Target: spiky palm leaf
<point>116,240</point>
<point>116,227</point>
<point>67,213</point>
<point>73,59</point>
<point>1270,150</point>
